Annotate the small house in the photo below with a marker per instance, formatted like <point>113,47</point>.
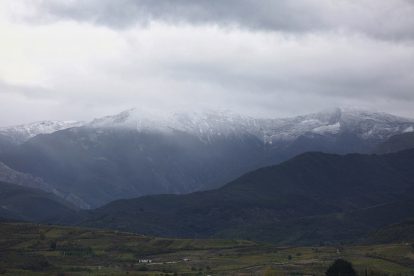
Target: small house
<point>145,261</point>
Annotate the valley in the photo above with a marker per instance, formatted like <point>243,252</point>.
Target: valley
<point>33,249</point>
<point>235,195</point>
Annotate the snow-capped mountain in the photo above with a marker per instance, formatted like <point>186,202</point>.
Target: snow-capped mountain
<point>15,135</point>
<point>142,151</point>
<point>206,123</point>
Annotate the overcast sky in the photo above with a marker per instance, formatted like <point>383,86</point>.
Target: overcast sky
<point>79,60</point>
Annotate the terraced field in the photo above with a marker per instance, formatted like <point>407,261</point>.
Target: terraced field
<point>32,249</point>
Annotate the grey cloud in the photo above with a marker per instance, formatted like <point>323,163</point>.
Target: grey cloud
<point>120,14</point>
<point>384,19</point>
<point>29,92</point>
<point>340,67</point>
<point>356,82</point>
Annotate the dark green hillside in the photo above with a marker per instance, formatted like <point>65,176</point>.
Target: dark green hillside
<point>401,232</point>
<point>328,176</point>
<point>347,143</point>
<point>396,143</point>
<point>202,219</point>
<point>23,203</point>
<point>311,184</point>
<point>348,227</point>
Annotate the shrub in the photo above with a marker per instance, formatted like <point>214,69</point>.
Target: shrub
<point>340,267</point>
<point>269,272</point>
<point>143,268</point>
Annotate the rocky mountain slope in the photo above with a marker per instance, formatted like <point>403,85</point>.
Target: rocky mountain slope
<point>141,151</point>
<point>16,135</point>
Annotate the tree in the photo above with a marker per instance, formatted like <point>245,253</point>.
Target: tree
<point>340,268</point>
<point>42,234</point>
<point>53,244</point>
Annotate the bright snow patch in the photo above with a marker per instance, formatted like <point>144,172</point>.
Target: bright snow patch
<point>330,129</point>
<point>408,129</point>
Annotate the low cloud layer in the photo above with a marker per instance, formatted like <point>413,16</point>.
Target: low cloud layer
<point>84,59</point>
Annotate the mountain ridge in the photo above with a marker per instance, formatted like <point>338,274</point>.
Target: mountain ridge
<point>223,122</point>
<point>139,152</point>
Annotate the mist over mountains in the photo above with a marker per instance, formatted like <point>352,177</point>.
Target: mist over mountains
<point>140,151</point>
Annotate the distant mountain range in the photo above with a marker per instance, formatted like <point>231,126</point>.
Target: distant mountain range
<point>140,151</point>
<point>312,199</point>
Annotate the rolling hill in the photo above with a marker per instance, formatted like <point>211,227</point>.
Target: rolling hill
<point>311,184</point>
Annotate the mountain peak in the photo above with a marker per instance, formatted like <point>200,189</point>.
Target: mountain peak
<point>206,121</point>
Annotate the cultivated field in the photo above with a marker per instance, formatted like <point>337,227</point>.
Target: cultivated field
<point>32,249</point>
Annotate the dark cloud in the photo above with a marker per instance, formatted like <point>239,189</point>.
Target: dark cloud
<point>384,19</point>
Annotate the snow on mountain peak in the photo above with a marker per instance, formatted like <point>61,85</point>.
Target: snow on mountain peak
<point>207,122</point>
<point>366,123</point>
<point>21,133</point>
<point>200,121</point>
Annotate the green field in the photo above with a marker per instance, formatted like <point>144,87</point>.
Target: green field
<point>32,249</point>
